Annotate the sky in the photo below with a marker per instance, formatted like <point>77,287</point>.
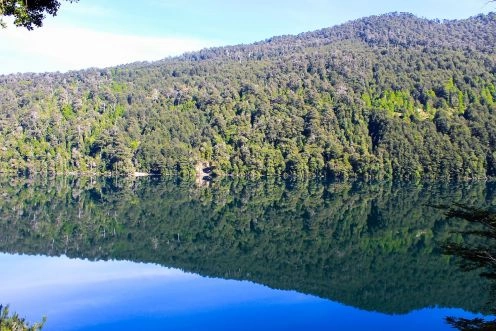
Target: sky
<point>96,33</point>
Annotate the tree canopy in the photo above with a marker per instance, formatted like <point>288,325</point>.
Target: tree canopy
<point>29,14</point>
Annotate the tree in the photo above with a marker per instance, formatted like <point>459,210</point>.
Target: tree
<point>481,256</point>
<point>15,322</point>
<point>29,13</point>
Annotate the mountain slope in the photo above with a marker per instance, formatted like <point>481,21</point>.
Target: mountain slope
<point>381,97</point>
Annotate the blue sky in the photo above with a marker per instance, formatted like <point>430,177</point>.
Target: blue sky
<point>104,33</point>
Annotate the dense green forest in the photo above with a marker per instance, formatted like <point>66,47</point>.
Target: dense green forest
<point>376,247</point>
<point>391,96</point>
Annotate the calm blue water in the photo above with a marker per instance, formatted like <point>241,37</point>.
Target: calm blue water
<point>82,295</point>
<point>148,254</point>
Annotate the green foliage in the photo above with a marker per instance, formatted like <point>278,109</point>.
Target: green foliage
<point>392,96</point>
<point>67,112</point>
<point>29,14</point>
<point>478,254</point>
<point>394,101</point>
<point>14,322</point>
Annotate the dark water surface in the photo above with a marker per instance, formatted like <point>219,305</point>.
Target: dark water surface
<point>102,254</point>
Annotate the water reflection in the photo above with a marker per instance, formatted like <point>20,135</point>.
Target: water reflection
<point>372,247</point>
<point>477,251</point>
<point>119,295</point>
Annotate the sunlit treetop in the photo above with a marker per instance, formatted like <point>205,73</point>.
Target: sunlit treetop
<point>28,13</point>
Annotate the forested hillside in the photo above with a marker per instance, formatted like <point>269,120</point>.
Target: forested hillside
<point>391,96</point>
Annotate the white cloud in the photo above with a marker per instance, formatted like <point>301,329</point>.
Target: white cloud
<point>62,48</point>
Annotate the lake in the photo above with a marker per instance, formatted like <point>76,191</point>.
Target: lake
<point>154,254</point>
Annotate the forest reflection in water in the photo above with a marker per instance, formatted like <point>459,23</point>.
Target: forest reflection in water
<point>376,247</point>
<point>476,250</point>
